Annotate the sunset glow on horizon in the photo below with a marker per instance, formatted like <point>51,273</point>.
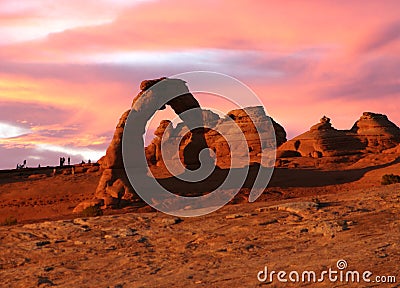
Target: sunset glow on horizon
<point>69,69</point>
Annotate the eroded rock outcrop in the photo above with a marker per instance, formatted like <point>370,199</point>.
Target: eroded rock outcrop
<point>372,133</point>
<point>240,132</point>
<point>114,187</point>
<point>261,134</point>
<point>377,131</point>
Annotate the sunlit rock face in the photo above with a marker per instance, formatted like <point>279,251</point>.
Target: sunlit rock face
<point>372,133</point>
<point>377,131</point>
<point>114,187</point>
<point>250,126</point>
<point>246,133</point>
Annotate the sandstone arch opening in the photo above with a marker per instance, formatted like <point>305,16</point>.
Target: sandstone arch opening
<point>180,100</point>
<point>114,187</point>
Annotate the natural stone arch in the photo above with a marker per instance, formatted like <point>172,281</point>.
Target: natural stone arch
<point>114,187</point>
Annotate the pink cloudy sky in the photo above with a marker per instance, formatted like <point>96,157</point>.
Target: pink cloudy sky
<point>68,68</point>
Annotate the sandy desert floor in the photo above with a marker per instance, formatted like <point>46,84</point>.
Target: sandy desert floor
<point>306,220</point>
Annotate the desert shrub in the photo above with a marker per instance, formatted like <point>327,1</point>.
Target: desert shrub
<point>92,211</point>
<point>9,221</point>
<point>388,179</point>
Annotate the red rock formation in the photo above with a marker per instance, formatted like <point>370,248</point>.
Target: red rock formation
<point>251,122</point>
<point>372,133</point>
<point>114,187</point>
<point>258,132</point>
<point>377,132</point>
<point>247,130</point>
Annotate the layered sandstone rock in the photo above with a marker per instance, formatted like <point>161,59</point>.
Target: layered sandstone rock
<point>377,131</point>
<point>250,118</point>
<point>323,140</point>
<point>114,187</point>
<point>241,132</point>
<point>395,150</point>
<point>372,133</point>
<point>179,137</point>
<point>249,124</point>
<point>261,135</point>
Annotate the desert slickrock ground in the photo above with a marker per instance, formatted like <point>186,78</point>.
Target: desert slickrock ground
<point>355,218</point>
